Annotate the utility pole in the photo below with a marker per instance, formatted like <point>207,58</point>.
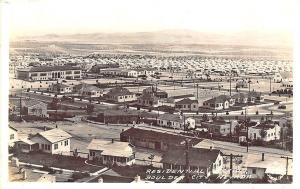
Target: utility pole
<point>287,164</point>
<point>246,125</point>
<point>187,162</point>
<point>197,91</point>
<point>231,156</point>
<point>230,85</point>
<point>270,85</point>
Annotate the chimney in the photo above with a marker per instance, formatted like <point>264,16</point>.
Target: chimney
<point>112,140</point>
<point>24,175</point>
<point>45,129</point>
<point>210,148</point>
<point>263,157</point>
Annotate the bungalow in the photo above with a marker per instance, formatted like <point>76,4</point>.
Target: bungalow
<point>266,131</point>
<point>30,107</point>
<point>175,121</point>
<point>111,152</point>
<point>220,127</point>
<point>13,136</point>
<point>54,141</point>
<point>283,76</point>
<point>202,161</point>
<point>120,94</point>
<point>260,166</point>
<point>219,103</point>
<point>256,96</point>
<point>60,88</point>
<point>158,140</point>
<point>86,90</point>
<point>240,98</point>
<point>156,92</point>
<point>147,99</point>
<point>119,116</point>
<point>187,104</point>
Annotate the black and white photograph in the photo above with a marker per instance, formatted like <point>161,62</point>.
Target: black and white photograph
<point>149,91</point>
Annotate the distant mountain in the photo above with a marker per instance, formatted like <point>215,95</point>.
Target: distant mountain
<point>249,38</point>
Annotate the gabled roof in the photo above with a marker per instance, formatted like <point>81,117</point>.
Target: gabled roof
<point>13,128</point>
<point>54,135</point>
<point>119,91</point>
<point>186,101</point>
<point>115,148</point>
<point>218,99</point>
<point>272,165</point>
<point>200,157</point>
<point>171,117</point>
<point>25,102</point>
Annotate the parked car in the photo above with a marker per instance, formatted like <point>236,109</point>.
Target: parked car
<point>282,107</point>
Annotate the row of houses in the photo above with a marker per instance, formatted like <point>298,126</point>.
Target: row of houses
<point>128,72</point>
<point>202,160</point>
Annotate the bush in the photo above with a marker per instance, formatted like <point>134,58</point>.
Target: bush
<point>77,175</point>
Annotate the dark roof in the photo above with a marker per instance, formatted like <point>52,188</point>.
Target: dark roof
<point>119,91</point>
<point>25,102</point>
<point>53,68</point>
<point>165,137</point>
<point>187,101</point>
<point>148,96</point>
<point>218,99</point>
<point>197,156</point>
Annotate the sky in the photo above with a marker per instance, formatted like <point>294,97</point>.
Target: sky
<point>39,17</point>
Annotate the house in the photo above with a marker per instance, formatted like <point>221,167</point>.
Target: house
<point>260,166</point>
<point>158,140</point>
<point>266,131</point>
<point>240,98</point>
<point>13,136</point>
<point>30,107</point>
<point>241,84</point>
<point>220,126</point>
<point>255,97</point>
<point>120,94</point>
<point>221,102</point>
<point>54,141</point>
<point>175,121</point>
<point>60,88</point>
<point>156,92</point>
<point>111,152</point>
<point>187,104</point>
<point>119,116</point>
<point>148,100</point>
<point>86,90</point>
<point>201,160</point>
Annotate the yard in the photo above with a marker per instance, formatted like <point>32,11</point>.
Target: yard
<point>58,161</point>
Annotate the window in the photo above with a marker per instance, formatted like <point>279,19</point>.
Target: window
<point>12,136</point>
<point>253,171</point>
<point>66,143</point>
<point>43,146</point>
<point>76,72</point>
<point>92,153</point>
<point>55,146</point>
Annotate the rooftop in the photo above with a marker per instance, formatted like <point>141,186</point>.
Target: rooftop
<point>111,148</point>
<point>187,101</point>
<point>201,157</point>
<point>52,68</point>
<point>55,135</point>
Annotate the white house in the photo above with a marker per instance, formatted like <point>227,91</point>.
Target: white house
<point>111,152</point>
<point>259,166</point>
<point>219,103</point>
<point>175,121</point>
<point>13,136</point>
<point>60,88</point>
<point>54,141</point>
<point>270,130</point>
<point>120,94</point>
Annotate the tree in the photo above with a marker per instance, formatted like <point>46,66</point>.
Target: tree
<point>263,133</point>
